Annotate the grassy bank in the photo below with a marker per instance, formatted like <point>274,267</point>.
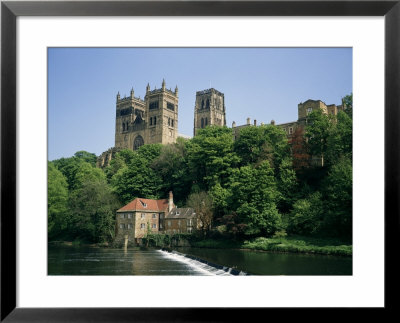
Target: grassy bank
<point>294,244</point>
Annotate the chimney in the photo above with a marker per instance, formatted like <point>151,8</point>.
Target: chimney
<point>170,201</point>
<point>248,121</point>
<point>255,122</point>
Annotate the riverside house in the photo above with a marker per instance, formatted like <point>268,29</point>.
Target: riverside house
<point>141,216</point>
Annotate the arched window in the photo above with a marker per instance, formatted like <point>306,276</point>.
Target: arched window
<point>169,121</point>
<point>202,104</point>
<point>205,123</point>
<point>202,122</point>
<point>138,142</point>
<point>172,122</point>
<point>151,121</point>
<point>155,120</point>
<point>208,104</point>
<point>123,126</point>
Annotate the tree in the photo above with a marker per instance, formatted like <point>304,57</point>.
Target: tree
<point>307,215</point>
<point>86,157</point>
<point>257,144</point>
<point>211,157</point>
<point>338,191</point>
<point>318,130</point>
<point>202,204</point>
<point>340,140</point>
<point>254,198</point>
<point>173,168</point>
<point>93,208</point>
<point>348,104</point>
<point>57,202</point>
<point>136,179</point>
<point>301,157</point>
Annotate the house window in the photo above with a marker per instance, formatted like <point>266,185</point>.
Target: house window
<point>129,225</point>
<point>129,215</point>
<point>179,222</point>
<point>177,212</point>
<point>143,226</point>
<point>122,226</point>
<point>161,216</point>
<point>154,216</point>
<point>160,225</point>
<point>122,216</point>
<point>189,229</point>
<point>290,130</point>
<point>309,110</point>
<point>143,215</point>
<point>169,223</point>
<point>154,226</point>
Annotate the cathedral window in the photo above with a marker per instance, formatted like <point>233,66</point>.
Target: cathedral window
<point>123,126</point>
<point>138,142</point>
<point>153,105</point>
<point>172,122</point>
<point>169,121</point>
<point>170,106</point>
<point>202,122</point>
<point>155,120</point>
<point>205,123</point>
<point>151,121</point>
<point>202,104</point>
<point>208,104</point>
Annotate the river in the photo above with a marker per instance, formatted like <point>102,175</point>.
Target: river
<point>72,260</point>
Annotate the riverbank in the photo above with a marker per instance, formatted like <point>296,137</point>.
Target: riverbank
<point>292,244</point>
<point>288,244</point>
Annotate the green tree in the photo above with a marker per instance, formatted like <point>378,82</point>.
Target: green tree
<point>348,103</point>
<point>318,130</point>
<point>338,191</point>
<point>257,144</point>
<point>86,157</point>
<point>202,204</point>
<point>340,140</point>
<point>173,168</point>
<point>211,157</point>
<point>253,199</point>
<point>307,215</point>
<point>136,179</point>
<point>57,202</point>
<point>93,208</point>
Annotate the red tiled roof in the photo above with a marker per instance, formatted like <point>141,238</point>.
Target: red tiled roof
<point>151,205</point>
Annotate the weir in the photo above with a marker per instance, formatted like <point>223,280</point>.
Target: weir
<point>202,265</point>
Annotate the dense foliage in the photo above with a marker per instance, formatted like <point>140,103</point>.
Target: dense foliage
<point>260,185</point>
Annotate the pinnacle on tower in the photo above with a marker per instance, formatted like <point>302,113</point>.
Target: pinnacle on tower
<point>118,96</point>
<point>132,92</point>
<point>163,84</point>
<point>147,87</point>
<point>176,90</point>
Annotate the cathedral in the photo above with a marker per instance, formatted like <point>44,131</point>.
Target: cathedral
<point>149,121</point>
<point>155,118</point>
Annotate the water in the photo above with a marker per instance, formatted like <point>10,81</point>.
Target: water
<point>69,260</point>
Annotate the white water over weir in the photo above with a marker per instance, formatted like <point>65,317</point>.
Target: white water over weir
<point>201,265</point>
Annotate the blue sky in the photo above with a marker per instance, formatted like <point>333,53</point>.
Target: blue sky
<point>260,83</point>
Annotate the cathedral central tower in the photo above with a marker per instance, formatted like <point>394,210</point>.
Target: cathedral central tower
<point>209,109</point>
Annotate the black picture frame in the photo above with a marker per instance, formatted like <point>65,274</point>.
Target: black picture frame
<point>10,10</point>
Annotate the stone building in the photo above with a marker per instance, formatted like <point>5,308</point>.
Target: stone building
<point>149,121</point>
<point>141,216</point>
<point>304,109</point>
<point>209,109</point>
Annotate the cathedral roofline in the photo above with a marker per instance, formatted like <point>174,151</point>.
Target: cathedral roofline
<point>211,90</point>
